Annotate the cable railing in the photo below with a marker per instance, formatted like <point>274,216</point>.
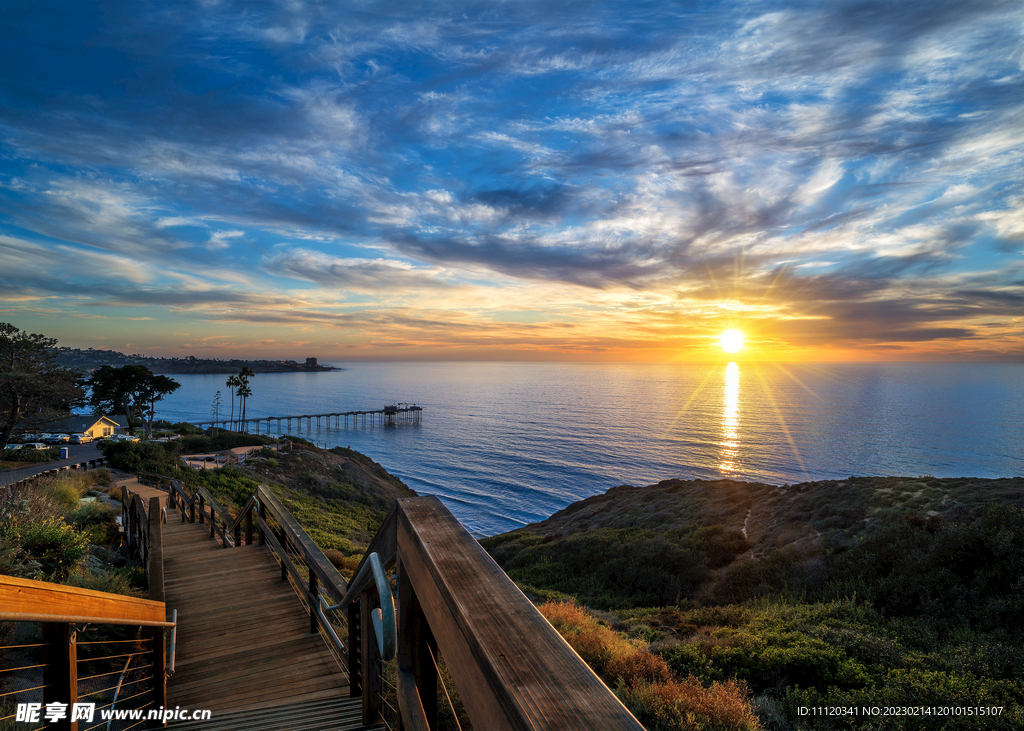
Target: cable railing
<point>95,651</point>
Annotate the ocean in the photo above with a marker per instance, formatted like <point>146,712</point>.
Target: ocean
<point>506,444</point>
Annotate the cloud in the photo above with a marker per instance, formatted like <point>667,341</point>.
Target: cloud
<point>834,162</point>
<point>366,275</point>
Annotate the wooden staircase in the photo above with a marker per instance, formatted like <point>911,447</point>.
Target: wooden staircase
<point>243,637</point>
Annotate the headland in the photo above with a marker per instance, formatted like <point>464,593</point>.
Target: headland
<point>90,359</point>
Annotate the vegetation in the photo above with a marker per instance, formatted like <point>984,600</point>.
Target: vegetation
<point>33,388</point>
<point>661,700</point>
<point>15,457</point>
<point>48,533</point>
<point>862,592</point>
<point>617,567</point>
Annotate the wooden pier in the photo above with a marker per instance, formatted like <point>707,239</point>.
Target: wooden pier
<point>402,413</point>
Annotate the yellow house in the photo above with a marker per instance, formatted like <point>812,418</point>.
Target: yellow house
<point>92,425</point>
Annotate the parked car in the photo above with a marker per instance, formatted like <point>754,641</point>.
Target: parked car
<point>80,439</point>
<point>57,439</point>
<point>12,447</point>
<point>34,445</point>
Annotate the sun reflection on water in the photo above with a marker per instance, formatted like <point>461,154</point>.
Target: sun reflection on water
<point>730,419</point>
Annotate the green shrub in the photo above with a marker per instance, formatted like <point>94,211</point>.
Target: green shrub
<point>97,521</point>
<point>55,545</point>
<point>33,456</point>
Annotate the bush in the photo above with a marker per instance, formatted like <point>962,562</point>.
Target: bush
<point>686,704</point>
<point>638,666</point>
<point>33,456</point>
<point>592,641</point>
<point>97,521</point>
<point>341,561</point>
<point>127,581</point>
<point>55,545</point>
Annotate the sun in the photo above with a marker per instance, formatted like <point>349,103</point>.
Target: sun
<point>732,341</point>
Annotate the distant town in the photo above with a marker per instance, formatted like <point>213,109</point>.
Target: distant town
<point>90,359</point>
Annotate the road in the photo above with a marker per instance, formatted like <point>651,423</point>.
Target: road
<point>77,453</point>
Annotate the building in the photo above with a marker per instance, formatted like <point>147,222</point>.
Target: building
<point>92,425</point>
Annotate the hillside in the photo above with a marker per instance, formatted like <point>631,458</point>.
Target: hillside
<point>858,593</point>
<point>725,540</point>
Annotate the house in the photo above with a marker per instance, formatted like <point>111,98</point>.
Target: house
<point>93,425</point>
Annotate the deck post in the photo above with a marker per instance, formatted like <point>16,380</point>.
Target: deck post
<point>355,663</point>
<point>60,670</point>
<point>314,592</point>
<point>158,659</point>
<point>370,664</point>
<point>415,646</point>
<point>263,517</point>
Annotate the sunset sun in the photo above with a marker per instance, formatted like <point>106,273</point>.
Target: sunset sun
<point>732,341</point>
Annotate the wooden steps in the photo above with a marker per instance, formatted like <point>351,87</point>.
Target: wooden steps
<point>333,715</point>
<point>243,639</point>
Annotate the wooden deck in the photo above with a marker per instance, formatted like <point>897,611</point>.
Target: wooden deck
<point>243,637</point>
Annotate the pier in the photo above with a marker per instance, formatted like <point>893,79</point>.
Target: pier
<point>401,413</point>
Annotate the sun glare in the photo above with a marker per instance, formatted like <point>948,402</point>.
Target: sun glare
<point>732,341</point>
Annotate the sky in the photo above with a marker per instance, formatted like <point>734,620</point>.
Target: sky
<point>609,181</point>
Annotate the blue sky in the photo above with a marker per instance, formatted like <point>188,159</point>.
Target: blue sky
<point>610,180</point>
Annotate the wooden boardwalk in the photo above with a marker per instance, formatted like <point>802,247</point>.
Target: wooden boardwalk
<point>243,638</point>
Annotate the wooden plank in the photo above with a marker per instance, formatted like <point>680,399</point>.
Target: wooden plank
<point>280,667</point>
<point>239,653</point>
<point>513,670</point>
<point>20,597</point>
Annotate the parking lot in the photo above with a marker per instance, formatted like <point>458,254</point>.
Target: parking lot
<point>76,453</point>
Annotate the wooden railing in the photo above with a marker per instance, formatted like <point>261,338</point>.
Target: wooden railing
<point>64,612</point>
<point>511,668</point>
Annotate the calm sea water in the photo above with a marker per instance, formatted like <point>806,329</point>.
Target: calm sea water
<point>507,444</point>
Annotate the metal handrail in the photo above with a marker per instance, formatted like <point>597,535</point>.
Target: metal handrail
<point>383,617</point>
<point>173,643</point>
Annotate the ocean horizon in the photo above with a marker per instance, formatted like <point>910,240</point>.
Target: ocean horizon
<point>507,444</point>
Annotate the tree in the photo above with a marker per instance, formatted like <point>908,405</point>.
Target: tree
<point>158,388</point>
<point>33,388</point>
<point>244,392</point>
<point>215,409</point>
<point>233,383</point>
<point>131,390</point>
<point>243,377</point>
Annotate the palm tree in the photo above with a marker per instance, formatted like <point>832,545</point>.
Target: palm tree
<point>244,392</point>
<point>233,383</point>
<point>244,376</point>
